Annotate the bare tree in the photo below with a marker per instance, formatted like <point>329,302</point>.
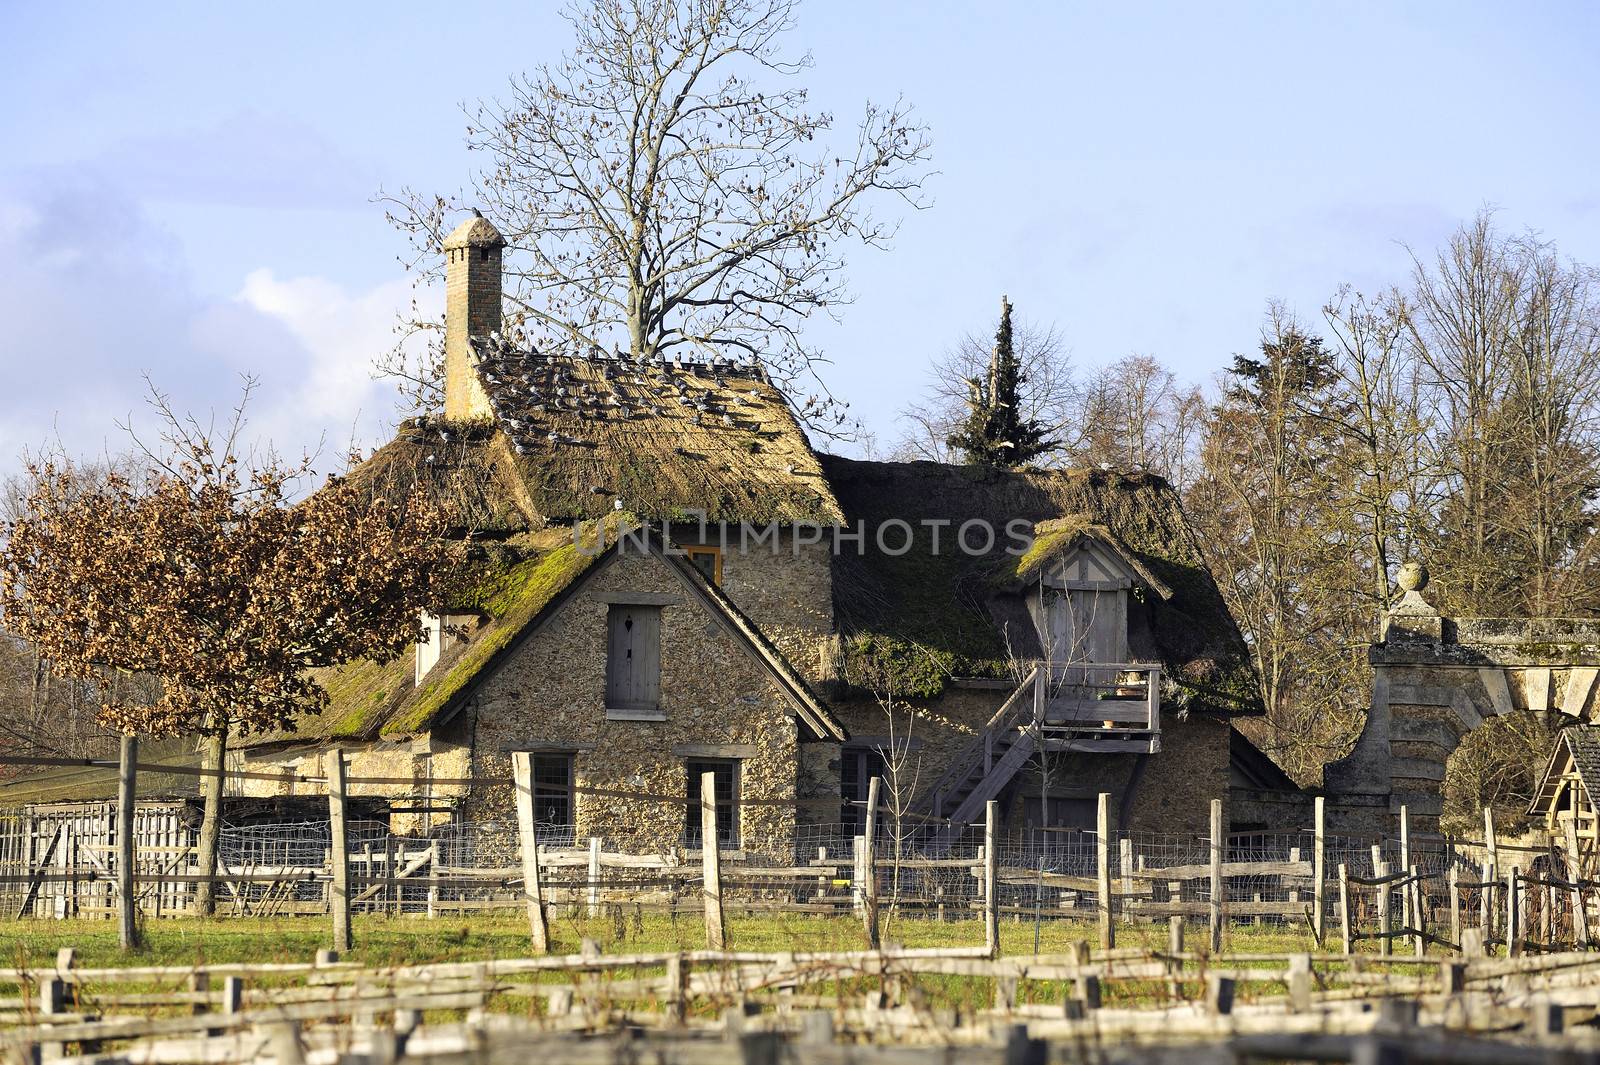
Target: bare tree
<point>659,200</point>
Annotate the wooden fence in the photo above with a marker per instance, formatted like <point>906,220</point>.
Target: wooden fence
<point>871,1007</point>
<point>65,862</point>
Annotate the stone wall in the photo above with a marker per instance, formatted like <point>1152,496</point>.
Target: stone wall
<point>422,758</point>
<point>1437,678</point>
<point>787,590</point>
<point>550,694</point>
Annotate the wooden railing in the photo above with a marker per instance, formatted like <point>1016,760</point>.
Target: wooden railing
<point>1023,704</point>
<point>1120,697</point>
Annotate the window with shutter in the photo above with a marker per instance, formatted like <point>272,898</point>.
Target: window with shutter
<point>633,658</point>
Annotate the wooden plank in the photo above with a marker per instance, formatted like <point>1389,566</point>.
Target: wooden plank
<point>127,779</point>
<point>532,889</point>
<point>1102,850</point>
<point>339,893</point>
<point>991,903</point>
<point>711,863</point>
<point>869,865</point>
<point>1218,886</point>
<point>1319,871</point>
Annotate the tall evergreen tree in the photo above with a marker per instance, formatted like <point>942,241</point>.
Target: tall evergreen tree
<point>995,433</point>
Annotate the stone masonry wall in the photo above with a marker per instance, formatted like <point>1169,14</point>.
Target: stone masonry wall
<point>788,593</point>
<point>717,699</point>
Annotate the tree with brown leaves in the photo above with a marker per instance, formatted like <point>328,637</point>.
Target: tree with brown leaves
<point>206,576</point>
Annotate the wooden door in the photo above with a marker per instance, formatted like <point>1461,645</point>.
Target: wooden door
<point>633,658</point>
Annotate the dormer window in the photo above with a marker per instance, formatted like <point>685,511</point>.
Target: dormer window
<point>442,633</point>
<point>1086,606</point>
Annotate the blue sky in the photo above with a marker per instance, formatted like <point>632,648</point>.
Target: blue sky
<point>185,189</point>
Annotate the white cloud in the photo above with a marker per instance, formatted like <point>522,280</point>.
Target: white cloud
<point>96,296</point>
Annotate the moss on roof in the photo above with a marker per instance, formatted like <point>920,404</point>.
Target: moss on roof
<point>919,618</point>
<point>507,586</point>
<point>92,783</point>
<point>511,600</point>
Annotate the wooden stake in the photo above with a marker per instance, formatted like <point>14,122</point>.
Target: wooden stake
<point>1419,937</point>
<point>1513,913</point>
<point>711,864</point>
<point>1405,863</point>
<point>1218,888</point>
<point>869,865</point>
<point>1319,871</point>
<point>1491,872</point>
<point>527,829</point>
<point>594,876</point>
<point>991,902</point>
<point>1455,904</point>
<point>127,898</point>
<point>1108,932</point>
<point>1580,918</point>
<point>339,895</point>
<point>1344,909</point>
<point>1381,869</point>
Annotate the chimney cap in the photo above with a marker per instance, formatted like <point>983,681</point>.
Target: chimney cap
<point>475,232</point>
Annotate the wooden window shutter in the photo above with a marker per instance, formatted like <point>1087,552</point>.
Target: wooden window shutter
<point>633,657</point>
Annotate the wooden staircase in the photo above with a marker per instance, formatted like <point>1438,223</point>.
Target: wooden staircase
<point>1056,708</point>
<point>987,764</point>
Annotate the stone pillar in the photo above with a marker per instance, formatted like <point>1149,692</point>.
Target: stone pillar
<point>1434,679</point>
<point>472,255</point>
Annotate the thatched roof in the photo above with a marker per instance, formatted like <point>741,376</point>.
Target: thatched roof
<point>508,588</point>
<point>914,620</point>
<point>519,584</point>
<point>97,781</point>
<point>572,437</point>
<point>662,438</point>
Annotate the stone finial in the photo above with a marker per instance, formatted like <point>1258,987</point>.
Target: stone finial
<point>1413,617</point>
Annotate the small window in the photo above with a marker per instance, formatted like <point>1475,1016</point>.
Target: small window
<point>727,771</point>
<point>708,560</point>
<point>857,767</point>
<point>633,658</point>
<point>552,792</point>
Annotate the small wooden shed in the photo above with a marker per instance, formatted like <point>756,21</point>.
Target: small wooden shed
<point>1568,789</point>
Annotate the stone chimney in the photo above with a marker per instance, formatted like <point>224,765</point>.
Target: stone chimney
<point>471,309</point>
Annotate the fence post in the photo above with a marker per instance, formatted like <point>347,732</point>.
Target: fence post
<point>127,899</point>
<point>991,901</point>
<point>1491,873</point>
<point>711,864</point>
<point>1405,864</point>
<point>1218,888</point>
<point>1319,871</point>
<point>1102,854</point>
<point>1380,869</point>
<point>1580,919</point>
<point>1344,908</point>
<point>869,865</point>
<point>339,855</point>
<point>594,876</point>
<point>1419,933</point>
<point>527,831</point>
<point>1455,903</point>
<point>1513,914</point>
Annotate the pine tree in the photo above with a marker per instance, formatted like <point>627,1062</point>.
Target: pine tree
<point>995,432</point>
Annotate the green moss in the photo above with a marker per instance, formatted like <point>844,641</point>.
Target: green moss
<point>511,598</point>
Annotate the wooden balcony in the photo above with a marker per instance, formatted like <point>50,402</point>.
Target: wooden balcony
<point>1111,708</point>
